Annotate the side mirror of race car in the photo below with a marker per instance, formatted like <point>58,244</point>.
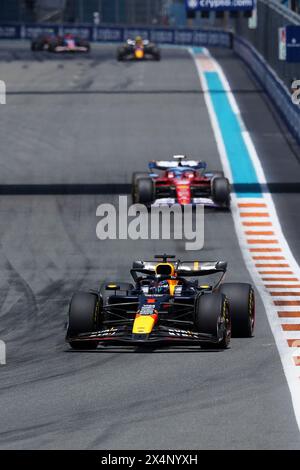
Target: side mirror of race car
<point>222,265</point>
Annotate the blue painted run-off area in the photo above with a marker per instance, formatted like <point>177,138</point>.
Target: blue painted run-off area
<point>242,168</point>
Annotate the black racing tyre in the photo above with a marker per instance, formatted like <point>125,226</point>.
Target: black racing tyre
<point>83,318</point>
<point>212,317</point>
<point>241,300</point>
<point>52,46</point>
<point>121,52</point>
<point>37,45</point>
<point>85,44</point>
<point>156,54</point>
<point>135,176</point>
<point>220,189</point>
<point>145,192</point>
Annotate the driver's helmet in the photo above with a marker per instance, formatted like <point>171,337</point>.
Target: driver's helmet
<point>159,288</point>
<point>163,287</point>
<point>139,41</point>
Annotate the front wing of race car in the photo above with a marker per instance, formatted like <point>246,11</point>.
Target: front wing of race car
<point>134,58</point>
<point>71,49</point>
<point>131,55</point>
<point>205,201</point>
<point>119,334</point>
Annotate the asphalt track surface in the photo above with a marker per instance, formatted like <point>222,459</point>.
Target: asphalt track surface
<point>80,121</point>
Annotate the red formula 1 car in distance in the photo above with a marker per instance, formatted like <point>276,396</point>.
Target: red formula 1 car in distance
<point>138,49</point>
<point>182,181</point>
<point>66,43</point>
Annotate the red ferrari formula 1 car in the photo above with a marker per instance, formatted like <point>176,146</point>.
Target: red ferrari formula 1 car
<point>183,181</point>
<point>66,43</point>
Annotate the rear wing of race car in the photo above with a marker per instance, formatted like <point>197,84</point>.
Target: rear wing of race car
<point>171,164</point>
<point>182,268</point>
<point>200,268</point>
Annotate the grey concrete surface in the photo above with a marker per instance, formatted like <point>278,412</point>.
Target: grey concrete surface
<point>116,398</point>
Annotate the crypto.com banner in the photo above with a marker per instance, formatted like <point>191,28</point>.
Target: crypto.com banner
<point>236,5</point>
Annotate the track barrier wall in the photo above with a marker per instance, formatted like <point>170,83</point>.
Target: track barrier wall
<point>277,91</point>
<point>187,37</point>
